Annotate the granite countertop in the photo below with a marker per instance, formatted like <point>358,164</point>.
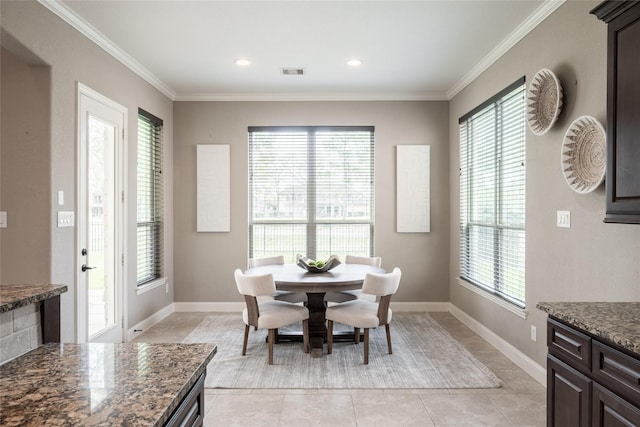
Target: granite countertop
<point>14,296</point>
<point>616,322</point>
<point>132,384</point>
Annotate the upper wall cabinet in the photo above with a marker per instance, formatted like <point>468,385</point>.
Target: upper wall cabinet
<point>623,109</point>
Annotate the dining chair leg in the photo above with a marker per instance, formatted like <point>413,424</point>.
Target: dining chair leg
<point>246,338</point>
<point>356,335</point>
<point>388,338</point>
<point>271,339</point>
<point>305,335</point>
<point>329,336</point>
<point>366,346</point>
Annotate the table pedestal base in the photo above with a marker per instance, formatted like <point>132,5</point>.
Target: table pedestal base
<point>317,327</point>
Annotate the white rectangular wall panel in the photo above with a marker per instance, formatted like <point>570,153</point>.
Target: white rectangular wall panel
<point>413,189</point>
<point>213,188</point>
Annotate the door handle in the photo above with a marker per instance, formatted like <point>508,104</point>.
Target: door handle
<point>85,268</point>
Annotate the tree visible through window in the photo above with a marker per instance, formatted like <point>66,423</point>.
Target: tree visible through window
<point>492,195</point>
<point>149,198</point>
<point>311,191</point>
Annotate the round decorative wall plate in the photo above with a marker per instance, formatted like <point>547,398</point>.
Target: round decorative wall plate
<point>583,154</point>
<point>544,101</point>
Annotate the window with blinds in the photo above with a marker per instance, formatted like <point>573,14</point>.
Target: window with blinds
<point>492,195</point>
<point>149,198</point>
<point>311,191</point>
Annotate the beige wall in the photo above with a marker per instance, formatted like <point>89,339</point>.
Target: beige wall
<point>204,262</point>
<point>25,172</point>
<point>74,58</point>
<point>591,261</point>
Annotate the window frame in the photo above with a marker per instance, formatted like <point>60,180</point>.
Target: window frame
<point>311,220</point>
<point>499,290</point>
<point>153,249</point>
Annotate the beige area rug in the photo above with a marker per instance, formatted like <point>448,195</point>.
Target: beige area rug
<point>424,356</point>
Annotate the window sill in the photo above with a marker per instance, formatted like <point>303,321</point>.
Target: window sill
<point>520,312</point>
<point>163,281</point>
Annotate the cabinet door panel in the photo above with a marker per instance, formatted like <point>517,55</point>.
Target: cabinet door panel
<point>627,126</point>
<point>610,410</point>
<point>623,110</point>
<point>568,396</point>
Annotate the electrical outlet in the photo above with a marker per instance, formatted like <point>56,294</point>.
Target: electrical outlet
<point>533,333</point>
<point>166,289</point>
<point>3,220</point>
<point>564,219</point>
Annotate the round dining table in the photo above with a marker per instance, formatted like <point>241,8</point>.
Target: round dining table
<point>291,277</point>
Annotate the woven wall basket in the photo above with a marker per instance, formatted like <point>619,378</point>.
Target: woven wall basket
<point>544,101</point>
<point>583,154</point>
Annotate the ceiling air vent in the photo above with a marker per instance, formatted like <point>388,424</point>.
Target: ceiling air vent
<point>292,71</point>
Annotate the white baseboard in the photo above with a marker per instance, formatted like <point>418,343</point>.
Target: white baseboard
<point>150,321</point>
<point>225,307</point>
<point>420,306</point>
<point>239,306</point>
<point>527,364</point>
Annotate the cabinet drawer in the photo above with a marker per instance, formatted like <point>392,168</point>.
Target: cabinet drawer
<point>617,371</point>
<point>569,345</point>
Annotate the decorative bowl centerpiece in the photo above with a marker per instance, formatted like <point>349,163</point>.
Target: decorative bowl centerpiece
<point>317,266</point>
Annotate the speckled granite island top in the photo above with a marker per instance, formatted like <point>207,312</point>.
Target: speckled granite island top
<point>132,384</point>
<point>14,296</point>
<point>616,322</point>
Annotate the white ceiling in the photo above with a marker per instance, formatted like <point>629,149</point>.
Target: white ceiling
<point>421,50</point>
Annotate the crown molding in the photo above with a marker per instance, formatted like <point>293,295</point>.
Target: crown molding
<point>312,97</point>
<point>77,22</point>
<point>540,14</point>
<point>86,29</point>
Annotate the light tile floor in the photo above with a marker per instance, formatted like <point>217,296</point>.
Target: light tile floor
<point>520,402</point>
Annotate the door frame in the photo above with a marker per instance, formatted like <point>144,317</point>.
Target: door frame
<point>121,180</point>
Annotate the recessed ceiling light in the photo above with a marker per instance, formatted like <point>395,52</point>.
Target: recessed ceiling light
<point>355,62</point>
<point>243,62</point>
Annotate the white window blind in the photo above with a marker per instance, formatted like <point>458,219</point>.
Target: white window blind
<point>492,195</point>
<point>149,198</point>
<point>311,191</point>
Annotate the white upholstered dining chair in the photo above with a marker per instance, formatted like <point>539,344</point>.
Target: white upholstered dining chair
<point>344,296</point>
<point>294,297</point>
<point>365,314</point>
<point>271,314</point>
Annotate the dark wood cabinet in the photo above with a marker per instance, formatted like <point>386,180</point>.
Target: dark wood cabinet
<point>568,396</point>
<point>610,410</point>
<point>623,109</point>
<point>190,412</point>
<point>589,382</point>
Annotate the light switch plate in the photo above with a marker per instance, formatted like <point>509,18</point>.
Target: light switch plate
<point>66,219</point>
<point>564,219</point>
<point>3,220</point>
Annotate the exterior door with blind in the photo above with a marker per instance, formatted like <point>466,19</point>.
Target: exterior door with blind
<point>100,270</point>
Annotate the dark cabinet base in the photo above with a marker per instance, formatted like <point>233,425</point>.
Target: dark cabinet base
<point>568,396</point>
<point>610,410</point>
<point>590,382</point>
<point>190,412</point>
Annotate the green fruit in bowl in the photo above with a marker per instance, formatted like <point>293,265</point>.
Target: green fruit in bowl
<point>320,264</point>
<point>311,263</point>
